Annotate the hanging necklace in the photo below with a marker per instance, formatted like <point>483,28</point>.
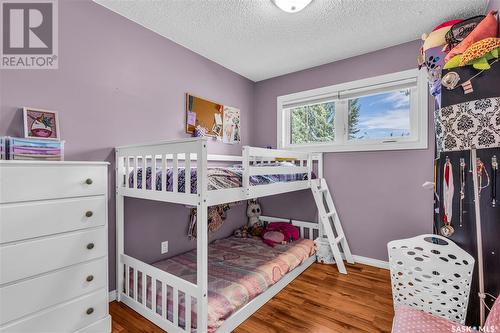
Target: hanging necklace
<point>462,189</point>
<point>480,170</point>
<point>494,169</point>
<point>448,189</point>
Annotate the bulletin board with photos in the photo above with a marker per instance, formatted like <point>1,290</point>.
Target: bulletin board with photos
<point>217,120</point>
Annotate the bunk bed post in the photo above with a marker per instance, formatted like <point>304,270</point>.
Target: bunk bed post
<point>320,164</point>
<point>319,158</point>
<point>245,182</point>
<point>119,224</point>
<point>202,237</point>
<point>310,167</point>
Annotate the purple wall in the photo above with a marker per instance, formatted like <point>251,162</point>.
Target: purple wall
<point>494,5</point>
<point>119,83</point>
<point>378,194</point>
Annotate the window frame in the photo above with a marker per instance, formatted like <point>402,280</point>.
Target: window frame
<point>419,108</point>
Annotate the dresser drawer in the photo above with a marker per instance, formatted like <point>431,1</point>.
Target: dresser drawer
<point>26,182</point>
<point>101,326</point>
<point>25,259</point>
<point>65,317</point>
<point>32,295</point>
<point>41,218</point>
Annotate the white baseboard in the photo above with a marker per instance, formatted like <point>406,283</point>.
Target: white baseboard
<point>112,296</point>
<point>371,262</point>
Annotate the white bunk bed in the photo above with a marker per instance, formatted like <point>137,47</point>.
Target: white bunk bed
<point>172,156</point>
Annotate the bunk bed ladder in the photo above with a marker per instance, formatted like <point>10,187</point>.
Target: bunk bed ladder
<point>330,223</point>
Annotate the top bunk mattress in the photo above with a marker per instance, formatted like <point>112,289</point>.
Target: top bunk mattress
<point>218,178</point>
<point>239,269</point>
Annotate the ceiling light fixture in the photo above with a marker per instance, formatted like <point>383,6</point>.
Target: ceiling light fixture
<point>291,6</point>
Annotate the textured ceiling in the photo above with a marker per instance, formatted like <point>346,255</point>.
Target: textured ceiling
<point>257,40</point>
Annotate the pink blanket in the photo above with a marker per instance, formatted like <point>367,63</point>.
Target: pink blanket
<point>239,269</point>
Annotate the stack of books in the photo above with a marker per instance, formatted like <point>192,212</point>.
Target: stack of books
<point>33,149</point>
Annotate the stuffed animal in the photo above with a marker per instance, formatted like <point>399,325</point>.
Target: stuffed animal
<point>280,233</point>
<point>253,213</point>
<point>488,27</point>
<point>254,226</point>
<point>248,232</point>
<point>257,230</point>
<point>242,232</point>
<point>477,55</point>
<point>432,55</point>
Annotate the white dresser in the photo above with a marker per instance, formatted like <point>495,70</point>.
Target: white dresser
<point>53,247</point>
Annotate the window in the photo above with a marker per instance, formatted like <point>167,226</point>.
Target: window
<point>312,123</point>
<point>388,112</point>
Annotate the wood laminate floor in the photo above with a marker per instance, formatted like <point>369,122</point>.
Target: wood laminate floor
<point>320,300</point>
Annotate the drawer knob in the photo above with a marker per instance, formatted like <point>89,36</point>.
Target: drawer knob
<point>89,213</point>
<point>90,246</point>
<point>90,311</point>
<point>88,181</point>
<point>90,278</point>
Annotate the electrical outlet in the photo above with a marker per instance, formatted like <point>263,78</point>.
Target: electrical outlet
<point>164,247</point>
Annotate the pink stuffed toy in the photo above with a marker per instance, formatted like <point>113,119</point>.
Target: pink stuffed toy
<point>280,233</point>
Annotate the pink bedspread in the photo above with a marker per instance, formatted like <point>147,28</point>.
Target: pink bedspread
<point>238,271</point>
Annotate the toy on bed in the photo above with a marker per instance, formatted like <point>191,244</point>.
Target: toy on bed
<point>280,233</point>
<point>253,212</point>
<point>254,226</point>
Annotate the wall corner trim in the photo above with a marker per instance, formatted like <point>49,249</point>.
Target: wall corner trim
<point>112,296</point>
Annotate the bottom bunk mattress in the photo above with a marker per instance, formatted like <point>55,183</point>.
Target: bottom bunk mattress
<point>239,269</point>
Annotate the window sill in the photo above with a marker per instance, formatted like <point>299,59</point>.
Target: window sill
<point>381,146</point>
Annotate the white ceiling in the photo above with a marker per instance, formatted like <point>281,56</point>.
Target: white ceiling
<point>259,41</point>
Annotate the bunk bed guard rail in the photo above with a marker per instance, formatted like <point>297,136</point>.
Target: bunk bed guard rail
<point>164,165</point>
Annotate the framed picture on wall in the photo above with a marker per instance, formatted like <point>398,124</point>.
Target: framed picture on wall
<point>41,124</point>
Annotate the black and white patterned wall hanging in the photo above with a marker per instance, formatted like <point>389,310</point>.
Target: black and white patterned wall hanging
<point>472,124</point>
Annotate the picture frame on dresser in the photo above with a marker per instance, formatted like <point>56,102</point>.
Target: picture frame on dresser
<point>41,124</point>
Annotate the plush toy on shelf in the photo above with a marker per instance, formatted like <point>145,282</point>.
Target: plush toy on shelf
<point>432,55</point>
<point>477,55</point>
<point>487,27</point>
<point>478,47</point>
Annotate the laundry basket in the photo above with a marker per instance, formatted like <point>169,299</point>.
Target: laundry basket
<point>431,273</point>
